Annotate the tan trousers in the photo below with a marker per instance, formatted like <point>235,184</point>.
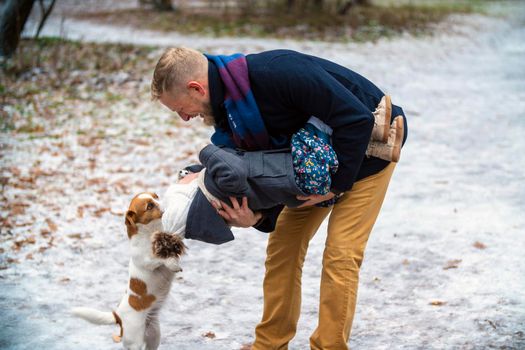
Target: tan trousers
<point>349,227</point>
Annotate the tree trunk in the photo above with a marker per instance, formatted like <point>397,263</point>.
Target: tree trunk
<point>13,17</point>
<point>161,5</point>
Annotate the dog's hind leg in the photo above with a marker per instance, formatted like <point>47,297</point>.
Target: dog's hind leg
<point>152,335</point>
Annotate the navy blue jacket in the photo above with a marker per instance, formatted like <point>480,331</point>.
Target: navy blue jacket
<point>289,87</point>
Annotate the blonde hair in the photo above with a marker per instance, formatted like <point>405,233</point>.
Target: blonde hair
<point>176,66</point>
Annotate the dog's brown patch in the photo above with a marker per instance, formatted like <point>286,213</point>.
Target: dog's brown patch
<point>166,245</point>
<point>142,300</point>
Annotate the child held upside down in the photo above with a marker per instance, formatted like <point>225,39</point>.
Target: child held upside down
<point>268,179</point>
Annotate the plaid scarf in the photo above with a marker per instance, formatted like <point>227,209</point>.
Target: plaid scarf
<point>247,127</point>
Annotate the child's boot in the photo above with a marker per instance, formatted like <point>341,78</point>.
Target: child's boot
<point>391,150</point>
<point>382,118</point>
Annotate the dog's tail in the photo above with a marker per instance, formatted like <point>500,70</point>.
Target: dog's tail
<point>95,316</point>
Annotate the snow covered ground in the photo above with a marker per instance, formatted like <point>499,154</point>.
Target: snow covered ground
<point>445,266</point>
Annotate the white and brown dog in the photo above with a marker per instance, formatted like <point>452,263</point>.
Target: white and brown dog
<point>154,261</point>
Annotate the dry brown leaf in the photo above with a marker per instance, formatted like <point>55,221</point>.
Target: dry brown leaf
<point>98,213</point>
<point>52,226</point>
<point>65,280</point>
<point>452,264</point>
<point>22,224</point>
<point>437,303</point>
<point>117,212</point>
<point>29,256</point>
<point>38,172</point>
<point>96,181</point>
<point>209,334</point>
<point>80,212</point>
<point>45,232</point>
<point>18,209</point>
<point>15,171</point>
<point>141,142</point>
<point>17,245</point>
<point>75,235</point>
<point>479,245</point>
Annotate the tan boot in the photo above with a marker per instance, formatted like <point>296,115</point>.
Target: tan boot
<point>391,150</point>
<point>382,118</point>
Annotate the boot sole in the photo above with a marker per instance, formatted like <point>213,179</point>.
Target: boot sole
<point>388,117</point>
<point>400,135</point>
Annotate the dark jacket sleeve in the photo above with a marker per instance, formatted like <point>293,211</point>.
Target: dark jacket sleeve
<point>226,170</point>
<point>269,219</point>
<point>309,89</point>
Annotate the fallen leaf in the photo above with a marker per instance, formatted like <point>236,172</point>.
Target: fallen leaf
<point>65,280</point>
<point>479,245</point>
<point>98,213</point>
<point>15,171</point>
<point>17,245</point>
<point>52,226</point>
<point>452,264</point>
<point>18,209</point>
<point>117,212</point>
<point>210,335</point>
<point>45,232</point>
<point>437,303</point>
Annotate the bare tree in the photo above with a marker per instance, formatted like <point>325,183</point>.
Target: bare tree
<point>45,14</point>
<point>161,5</point>
<point>13,17</point>
<point>343,10</point>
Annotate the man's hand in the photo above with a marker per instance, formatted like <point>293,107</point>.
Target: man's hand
<point>239,216</point>
<point>314,199</point>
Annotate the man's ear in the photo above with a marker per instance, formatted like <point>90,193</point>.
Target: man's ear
<point>196,86</point>
<point>131,216</point>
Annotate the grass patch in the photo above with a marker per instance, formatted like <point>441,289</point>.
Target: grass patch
<point>51,80</point>
<point>360,23</point>
<point>64,57</point>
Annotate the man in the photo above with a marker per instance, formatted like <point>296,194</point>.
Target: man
<point>257,102</point>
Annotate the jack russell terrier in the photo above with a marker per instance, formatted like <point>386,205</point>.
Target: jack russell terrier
<point>154,261</point>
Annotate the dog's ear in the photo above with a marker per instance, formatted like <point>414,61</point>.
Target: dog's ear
<point>131,216</point>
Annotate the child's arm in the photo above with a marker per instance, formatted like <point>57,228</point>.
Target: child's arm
<point>227,172</point>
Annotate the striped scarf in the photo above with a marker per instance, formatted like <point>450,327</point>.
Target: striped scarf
<point>247,127</point>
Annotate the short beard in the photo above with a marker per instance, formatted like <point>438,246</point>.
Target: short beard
<point>207,115</point>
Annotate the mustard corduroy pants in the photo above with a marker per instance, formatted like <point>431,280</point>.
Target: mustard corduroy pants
<point>349,226</point>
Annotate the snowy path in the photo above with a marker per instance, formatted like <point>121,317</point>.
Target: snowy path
<point>460,182</point>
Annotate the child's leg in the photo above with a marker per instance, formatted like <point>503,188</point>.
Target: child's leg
<point>391,150</point>
<point>382,119</point>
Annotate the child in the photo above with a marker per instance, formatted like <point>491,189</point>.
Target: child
<point>269,179</point>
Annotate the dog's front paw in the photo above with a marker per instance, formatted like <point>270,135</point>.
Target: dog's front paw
<point>166,245</point>
<point>173,265</point>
